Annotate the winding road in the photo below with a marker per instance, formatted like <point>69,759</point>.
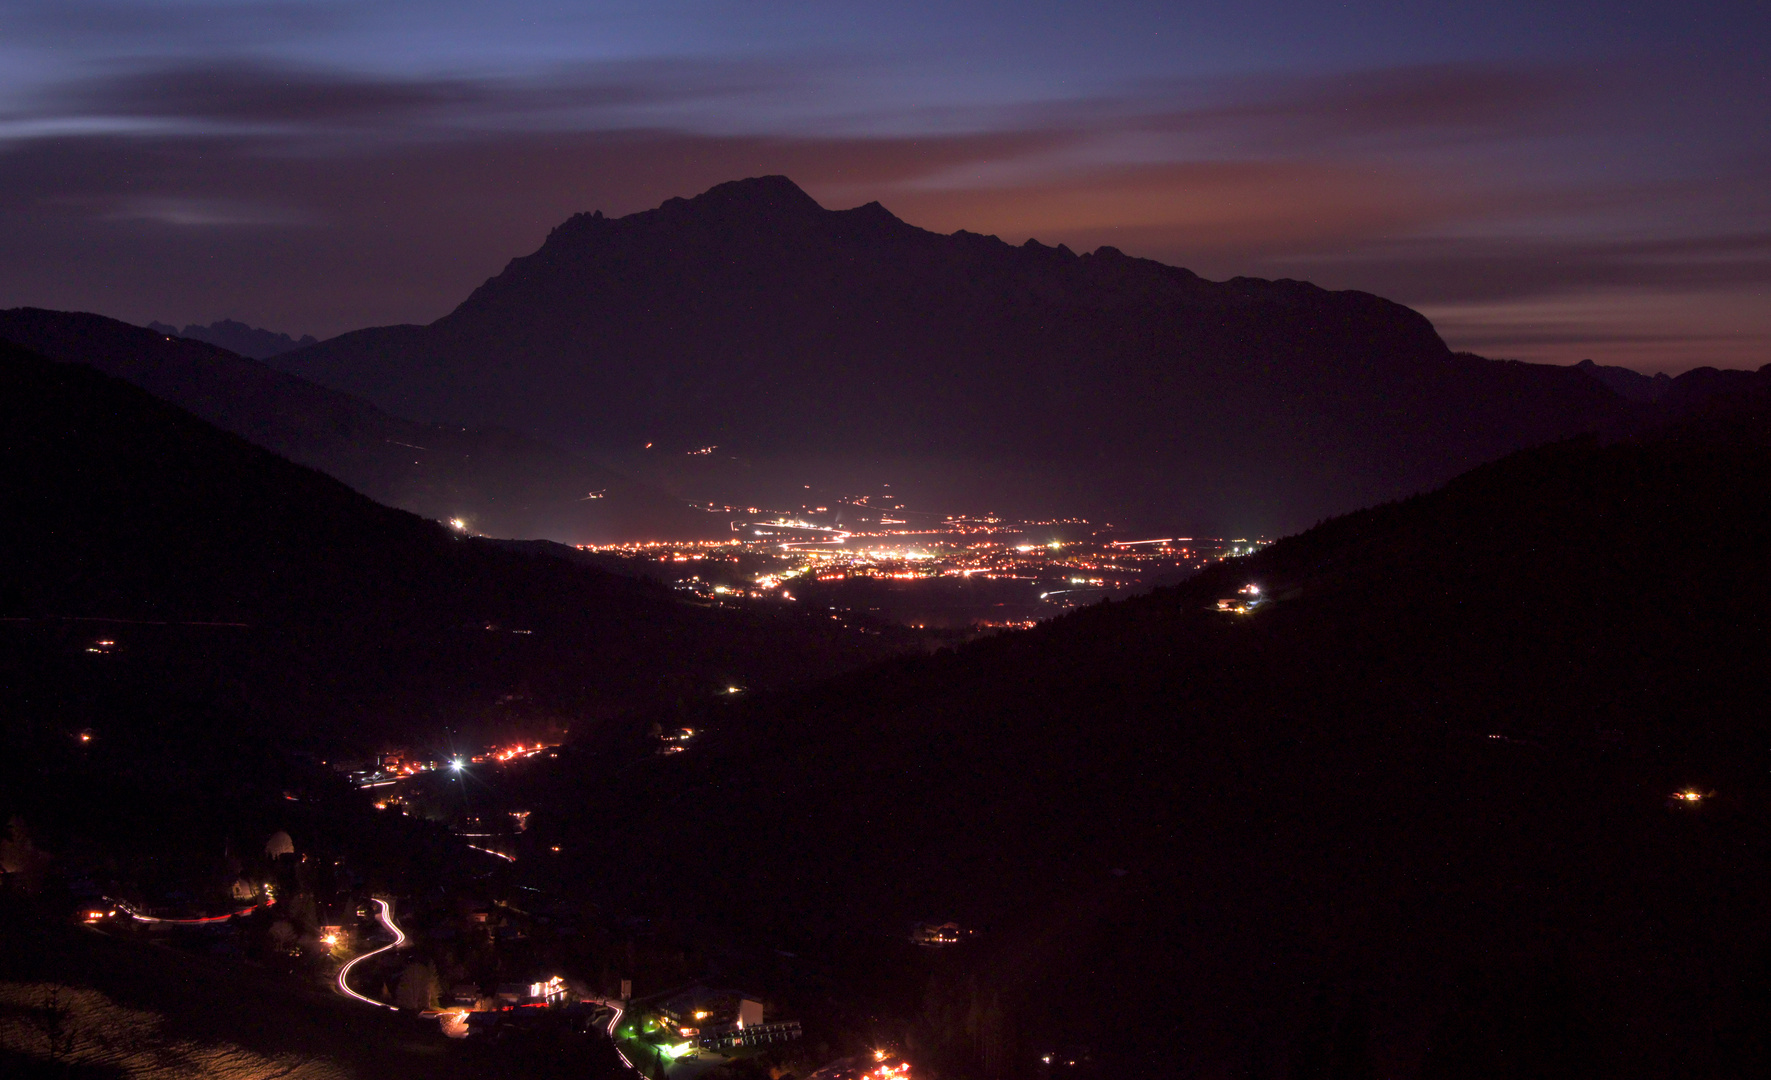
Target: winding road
<point>386,915</point>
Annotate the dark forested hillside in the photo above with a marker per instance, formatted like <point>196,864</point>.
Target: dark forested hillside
<point>849,348</point>
<point>1416,814</point>
<point>245,594</point>
<point>499,482</point>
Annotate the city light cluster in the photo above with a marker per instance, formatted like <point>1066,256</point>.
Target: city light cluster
<point>765,558</point>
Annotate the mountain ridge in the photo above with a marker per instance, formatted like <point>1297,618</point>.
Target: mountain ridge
<point>1029,379</point>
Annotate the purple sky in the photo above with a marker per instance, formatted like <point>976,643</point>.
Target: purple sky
<point>1550,182</point>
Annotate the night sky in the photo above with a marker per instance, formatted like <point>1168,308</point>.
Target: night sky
<point>1589,181</point>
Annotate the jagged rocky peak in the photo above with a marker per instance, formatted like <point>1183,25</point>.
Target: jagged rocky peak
<point>767,199</point>
<point>771,195</point>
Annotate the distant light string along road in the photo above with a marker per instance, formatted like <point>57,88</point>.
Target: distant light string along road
<point>139,917</point>
<point>386,917</point>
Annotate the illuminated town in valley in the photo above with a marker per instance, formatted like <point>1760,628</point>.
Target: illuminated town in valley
<point>947,572</point>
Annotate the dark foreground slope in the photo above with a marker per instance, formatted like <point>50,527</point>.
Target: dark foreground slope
<point>248,595</point>
<point>851,348</point>
<point>1410,818</point>
<point>499,482</point>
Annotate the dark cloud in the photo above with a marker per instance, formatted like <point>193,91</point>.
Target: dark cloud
<point>244,95</point>
<point>1288,115</point>
<point>254,93</point>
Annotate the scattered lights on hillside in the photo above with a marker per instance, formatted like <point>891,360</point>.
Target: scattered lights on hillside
<point>510,753</point>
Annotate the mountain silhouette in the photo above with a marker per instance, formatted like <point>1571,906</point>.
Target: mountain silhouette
<point>498,482</point>
<point>848,347</point>
<point>252,342</point>
<point>1629,383</point>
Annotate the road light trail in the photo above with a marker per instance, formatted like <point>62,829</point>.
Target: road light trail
<point>386,917</point>
<point>613,1020</point>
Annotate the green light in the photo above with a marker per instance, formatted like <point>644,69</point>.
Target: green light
<point>674,1052</point>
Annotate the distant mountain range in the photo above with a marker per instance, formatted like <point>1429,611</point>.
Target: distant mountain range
<point>498,482</point>
<point>249,341</point>
<point>844,349</point>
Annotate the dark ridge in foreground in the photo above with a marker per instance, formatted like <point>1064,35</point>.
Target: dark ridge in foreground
<point>1415,814</point>
<point>248,597</point>
<point>806,342</point>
